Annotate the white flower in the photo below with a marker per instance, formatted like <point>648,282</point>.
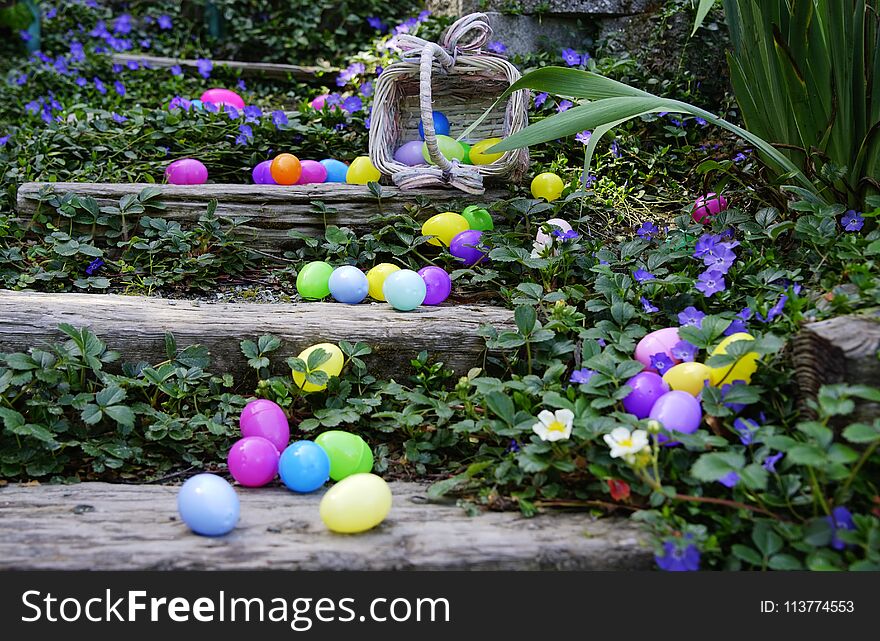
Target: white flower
<point>625,444</point>
<point>554,426</point>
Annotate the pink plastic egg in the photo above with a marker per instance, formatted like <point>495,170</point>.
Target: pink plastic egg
<point>262,417</point>
<point>186,171</point>
<point>312,172</point>
<point>660,342</point>
<point>318,103</point>
<point>707,206</point>
<point>223,97</point>
<point>253,461</point>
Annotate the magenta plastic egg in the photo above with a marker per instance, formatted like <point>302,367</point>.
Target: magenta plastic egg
<point>186,171</point>
<point>262,175</point>
<point>312,172</point>
<point>467,248</point>
<point>707,206</point>
<point>437,283</point>
<point>677,411</point>
<point>262,417</point>
<point>410,153</point>
<point>660,342</point>
<point>253,461</point>
<point>318,103</point>
<point>223,97</point>
<point>647,387</point>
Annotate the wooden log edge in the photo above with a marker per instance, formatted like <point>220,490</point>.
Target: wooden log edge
<point>246,69</point>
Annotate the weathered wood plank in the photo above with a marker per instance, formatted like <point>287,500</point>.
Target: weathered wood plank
<point>100,526</point>
<point>136,325</point>
<point>273,210</point>
<point>247,69</point>
<point>839,350</point>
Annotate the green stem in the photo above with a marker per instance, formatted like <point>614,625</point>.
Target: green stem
<point>858,466</point>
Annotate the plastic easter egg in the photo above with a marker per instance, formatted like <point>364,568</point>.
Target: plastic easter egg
<point>286,169</point>
<point>478,218</point>
<point>222,97</point>
<point>336,170</point>
<point>319,102</point>
<point>332,366</point>
<point>362,171</point>
<point>441,125</point>
<point>262,174</point>
<point>349,453</point>
<point>186,171</point>
<point>547,186</point>
<point>467,153</point>
<point>688,377</point>
<point>742,369</point>
<point>554,223</point>
<point>405,290</point>
<point>478,153</point>
<point>348,284</point>
<point>449,147</point>
<point>208,505</point>
<point>677,411</point>
<point>647,387</point>
<point>313,280</point>
<point>376,279</point>
<point>444,227</point>
<point>660,342</point>
<point>312,172</point>
<point>410,153</point>
<point>262,417</point>
<point>707,206</point>
<point>466,247</point>
<point>253,461</point>
<point>357,504</point>
<point>196,105</point>
<point>437,284</point>
<point>304,466</point>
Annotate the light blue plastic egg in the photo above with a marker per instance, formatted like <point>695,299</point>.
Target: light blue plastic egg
<point>348,284</point>
<point>304,466</point>
<point>336,170</point>
<point>208,505</point>
<point>404,290</point>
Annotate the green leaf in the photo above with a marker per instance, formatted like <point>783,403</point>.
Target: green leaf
<point>11,418</point>
<point>122,414</point>
<point>525,317</point>
<point>818,532</point>
<point>784,562</point>
<point>502,406</point>
<point>437,490</point>
<point>765,539</point>
<point>716,465</point>
<point>807,454</point>
<point>318,358</point>
<point>862,433</point>
<point>747,554</point>
<point>703,10</point>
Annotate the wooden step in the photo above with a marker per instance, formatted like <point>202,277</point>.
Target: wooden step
<point>246,69</point>
<point>273,210</point>
<point>101,526</point>
<point>136,325</point>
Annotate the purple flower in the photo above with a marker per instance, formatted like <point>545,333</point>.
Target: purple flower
<point>164,22</point>
<point>175,70</point>
<point>661,362</point>
<point>423,15</point>
<point>840,519</point>
<point>720,258</point>
<point>729,480</point>
<point>145,44</point>
<point>774,311</point>
<point>565,105</point>
<point>679,555</point>
<point>705,244</point>
<point>513,446</point>
<point>231,111</point>
<point>736,326</point>
<point>566,235</point>
<point>540,99</point>
<point>99,30</point>
<point>366,89</point>
<point>691,316</point>
<point>745,428</point>
<point>118,118</point>
<point>642,275</point>
<point>647,306</point>
<point>116,69</point>
<point>204,66</point>
<point>133,65</point>
<point>21,79</point>
<point>684,351</point>
<point>350,72</point>
<point>94,266</point>
<point>210,107</point>
<point>711,282</point>
<point>49,13</point>
<point>852,221</point>
<point>648,230</point>
<point>700,121</point>
<point>99,85</point>
<point>376,23</point>
<point>4,140</point>
<point>739,157</point>
<point>352,104</point>
<point>770,462</point>
<point>615,148</point>
<point>77,53</point>
<point>240,85</point>
<point>571,57</point>
<point>60,65</point>
<point>119,88</point>
<point>252,113</point>
<point>81,82</point>
<point>25,36</point>
<point>122,24</point>
<point>279,118</point>
<point>497,46</point>
<point>245,136</point>
<point>582,376</point>
<point>584,136</point>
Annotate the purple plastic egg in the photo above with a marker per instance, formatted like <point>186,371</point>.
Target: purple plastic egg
<point>223,97</point>
<point>677,411</point>
<point>253,461</point>
<point>262,174</point>
<point>262,417</point>
<point>437,283</point>
<point>466,247</point>
<point>410,153</point>
<point>647,387</point>
<point>312,172</point>
<point>186,171</point>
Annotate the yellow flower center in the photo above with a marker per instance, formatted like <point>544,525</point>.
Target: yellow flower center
<point>627,442</point>
<point>556,426</point>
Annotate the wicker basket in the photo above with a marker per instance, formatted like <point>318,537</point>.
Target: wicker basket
<point>459,79</point>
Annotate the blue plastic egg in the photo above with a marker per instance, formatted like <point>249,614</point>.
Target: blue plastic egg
<point>348,284</point>
<point>336,170</point>
<point>208,505</point>
<point>404,290</point>
<point>441,125</point>
<point>304,466</point>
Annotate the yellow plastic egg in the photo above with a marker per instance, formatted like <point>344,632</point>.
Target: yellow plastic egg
<point>444,227</point>
<point>332,366</point>
<point>376,279</point>
<point>688,377</point>
<point>362,171</point>
<point>356,504</point>
<point>741,370</point>
<point>548,186</point>
<point>478,153</point>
